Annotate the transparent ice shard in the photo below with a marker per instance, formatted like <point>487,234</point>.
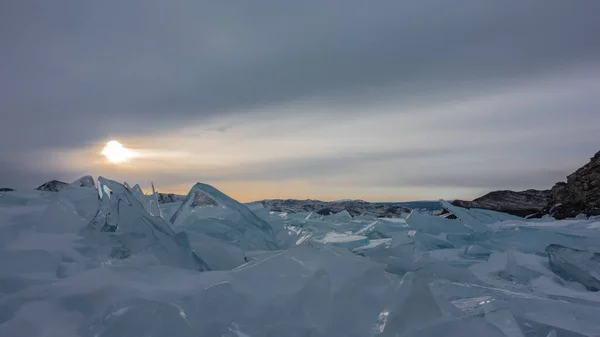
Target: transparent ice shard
<point>532,240</point>
<point>475,221</point>
<point>506,322</point>
<point>217,254</point>
<point>215,214</point>
<point>510,267</point>
<point>85,181</point>
<point>150,201</point>
<point>476,251</point>
<point>142,318</point>
<point>133,231</point>
<point>575,265</point>
<point>342,216</point>
<point>568,318</point>
<point>435,225</point>
<point>84,201</point>
<point>344,240</point>
<point>425,242</point>
<point>414,307</point>
<point>311,306</point>
<point>62,216</point>
<point>365,229</point>
<point>137,191</point>
<point>467,326</point>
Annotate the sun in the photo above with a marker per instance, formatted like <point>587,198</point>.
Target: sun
<point>116,153</point>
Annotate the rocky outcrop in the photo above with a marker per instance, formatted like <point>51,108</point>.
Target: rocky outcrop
<point>521,204</point>
<point>579,195</point>
<point>53,186</point>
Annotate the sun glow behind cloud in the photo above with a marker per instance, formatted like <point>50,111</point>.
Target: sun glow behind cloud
<point>116,153</point>
<point>379,148</point>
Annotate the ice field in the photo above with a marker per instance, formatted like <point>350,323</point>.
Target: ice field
<point>104,260</point>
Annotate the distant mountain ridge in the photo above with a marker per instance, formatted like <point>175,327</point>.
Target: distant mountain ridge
<point>353,207</point>
<point>521,203</point>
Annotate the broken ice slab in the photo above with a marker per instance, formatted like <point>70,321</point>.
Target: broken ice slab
<point>217,254</point>
<point>510,268</point>
<point>435,225</point>
<point>425,242</point>
<point>476,251</point>
<point>575,318</point>
<point>488,216</point>
<point>367,228</point>
<point>533,240</point>
<point>85,181</point>
<point>461,327</point>
<point>342,216</point>
<point>292,268</point>
<point>344,240</point>
<point>84,200</point>
<point>141,317</point>
<point>414,307</point>
<point>575,265</point>
<point>150,202</point>
<point>316,292</point>
<point>373,244</point>
<point>222,217</point>
<point>130,230</point>
<point>167,210</point>
<point>137,191</point>
<point>470,218</point>
<point>506,322</point>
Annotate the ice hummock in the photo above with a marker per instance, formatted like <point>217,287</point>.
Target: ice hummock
<point>213,213</point>
<point>85,181</point>
<point>131,230</point>
<point>575,265</point>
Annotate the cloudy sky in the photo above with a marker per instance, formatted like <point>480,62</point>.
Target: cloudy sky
<point>379,100</point>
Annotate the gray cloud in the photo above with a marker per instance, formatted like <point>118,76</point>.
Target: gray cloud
<point>17,175</point>
<point>75,72</point>
<point>306,168</point>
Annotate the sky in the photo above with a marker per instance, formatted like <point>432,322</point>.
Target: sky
<point>325,99</point>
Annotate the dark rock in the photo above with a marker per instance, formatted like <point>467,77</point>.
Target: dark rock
<point>575,265</point>
<point>394,212</point>
<point>445,214</point>
<point>375,235</point>
<point>53,186</point>
<point>4,189</point>
<point>521,204</point>
<point>165,198</point>
<point>353,207</point>
<point>325,211</point>
<point>579,195</point>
